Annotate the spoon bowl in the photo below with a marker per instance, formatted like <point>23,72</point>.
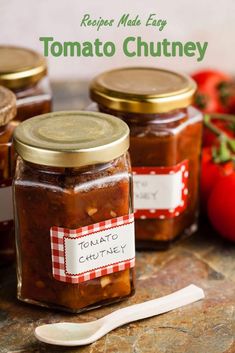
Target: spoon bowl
<point>85,330</point>
<point>68,332</point>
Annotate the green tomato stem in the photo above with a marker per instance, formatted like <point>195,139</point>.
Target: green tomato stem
<point>217,131</point>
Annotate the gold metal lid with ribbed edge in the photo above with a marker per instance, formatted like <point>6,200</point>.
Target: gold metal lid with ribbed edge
<point>142,90</point>
<point>20,67</point>
<point>7,106</point>
<point>71,139</point>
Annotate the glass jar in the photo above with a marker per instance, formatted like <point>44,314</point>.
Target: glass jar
<point>73,208</point>
<point>165,145</point>
<point>24,71</point>
<point>7,113</point>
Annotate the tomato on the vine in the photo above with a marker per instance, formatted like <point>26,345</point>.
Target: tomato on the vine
<point>209,138</point>
<point>221,207</point>
<point>213,91</point>
<point>211,172</point>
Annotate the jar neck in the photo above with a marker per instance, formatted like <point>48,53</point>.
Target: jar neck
<point>70,171</point>
<point>174,117</point>
<point>26,88</point>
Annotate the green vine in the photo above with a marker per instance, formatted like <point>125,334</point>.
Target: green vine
<point>226,150</point>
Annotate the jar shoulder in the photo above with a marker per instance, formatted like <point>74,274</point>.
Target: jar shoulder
<point>6,134</point>
<point>71,178</point>
<point>171,127</point>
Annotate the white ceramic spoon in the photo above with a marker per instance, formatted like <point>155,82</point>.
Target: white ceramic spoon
<point>79,334</point>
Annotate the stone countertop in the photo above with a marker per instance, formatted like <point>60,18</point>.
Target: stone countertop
<point>204,259</point>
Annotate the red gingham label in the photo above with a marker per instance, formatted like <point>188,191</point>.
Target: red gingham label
<point>93,251</point>
<point>160,192</point>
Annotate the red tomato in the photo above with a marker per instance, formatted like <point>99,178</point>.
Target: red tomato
<point>221,207</point>
<point>210,139</point>
<point>232,104</point>
<point>210,174</point>
<point>208,78</point>
<point>210,94</point>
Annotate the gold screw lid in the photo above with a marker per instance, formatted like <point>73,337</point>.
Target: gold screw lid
<point>7,106</point>
<point>71,139</point>
<point>142,90</point>
<point>20,67</point>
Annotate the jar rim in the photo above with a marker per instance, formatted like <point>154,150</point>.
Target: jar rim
<point>20,67</point>
<point>71,139</point>
<point>143,90</point>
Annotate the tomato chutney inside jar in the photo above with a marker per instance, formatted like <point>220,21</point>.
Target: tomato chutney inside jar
<point>7,164</point>
<point>73,207</point>
<point>165,144</point>
<point>24,71</point>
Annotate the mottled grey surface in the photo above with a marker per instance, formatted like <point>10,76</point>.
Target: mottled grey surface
<point>207,326</point>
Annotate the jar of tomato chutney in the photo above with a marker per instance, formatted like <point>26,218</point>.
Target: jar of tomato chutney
<point>165,144</point>
<point>7,126</point>
<point>73,211</point>
<point>24,71</point>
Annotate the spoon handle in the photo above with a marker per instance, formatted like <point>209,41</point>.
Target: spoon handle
<point>154,307</point>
